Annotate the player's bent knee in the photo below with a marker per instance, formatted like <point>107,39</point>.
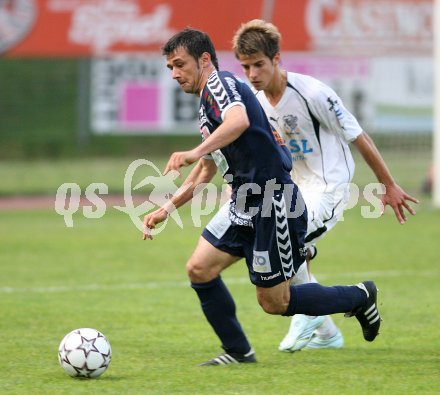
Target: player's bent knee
<point>199,272</point>
<point>271,306</point>
<point>274,300</point>
<point>195,271</point>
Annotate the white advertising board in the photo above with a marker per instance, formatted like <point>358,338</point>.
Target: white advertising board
<point>136,94</point>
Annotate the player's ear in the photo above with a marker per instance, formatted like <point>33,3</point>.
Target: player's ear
<point>205,59</point>
<point>276,59</point>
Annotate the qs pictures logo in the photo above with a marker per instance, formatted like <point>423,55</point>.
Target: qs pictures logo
<point>156,189</point>
<point>162,187</point>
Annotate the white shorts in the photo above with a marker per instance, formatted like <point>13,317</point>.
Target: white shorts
<point>324,210</point>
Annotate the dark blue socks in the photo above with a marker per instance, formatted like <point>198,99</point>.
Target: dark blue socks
<point>219,309</point>
<point>315,299</point>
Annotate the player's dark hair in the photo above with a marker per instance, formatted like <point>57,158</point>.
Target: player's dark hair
<point>195,42</point>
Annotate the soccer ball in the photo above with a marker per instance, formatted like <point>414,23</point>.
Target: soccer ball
<point>84,352</point>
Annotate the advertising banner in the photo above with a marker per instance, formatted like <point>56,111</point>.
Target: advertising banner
<point>85,28</point>
<point>377,54</point>
<point>136,94</point>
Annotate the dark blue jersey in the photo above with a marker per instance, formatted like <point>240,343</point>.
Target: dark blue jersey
<point>259,154</point>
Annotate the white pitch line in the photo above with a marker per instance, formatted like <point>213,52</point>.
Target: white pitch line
<point>185,284</point>
<point>110,287</point>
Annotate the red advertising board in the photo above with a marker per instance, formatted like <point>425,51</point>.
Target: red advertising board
<point>73,28</point>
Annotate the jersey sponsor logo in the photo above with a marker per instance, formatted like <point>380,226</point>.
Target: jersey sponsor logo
<point>239,217</point>
<point>299,148</point>
<point>233,87</point>
<point>261,262</point>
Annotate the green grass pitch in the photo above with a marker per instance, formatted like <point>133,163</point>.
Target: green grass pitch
<point>101,274</point>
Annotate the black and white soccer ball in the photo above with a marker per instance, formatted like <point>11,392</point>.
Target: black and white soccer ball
<point>85,352</point>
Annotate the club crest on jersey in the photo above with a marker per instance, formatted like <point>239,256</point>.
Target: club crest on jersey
<point>290,123</point>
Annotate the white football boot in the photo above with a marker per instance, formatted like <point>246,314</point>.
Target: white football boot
<point>336,341</point>
<point>300,332</point>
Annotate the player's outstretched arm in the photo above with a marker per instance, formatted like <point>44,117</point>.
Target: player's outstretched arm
<point>181,159</point>
<point>234,124</point>
<point>394,195</point>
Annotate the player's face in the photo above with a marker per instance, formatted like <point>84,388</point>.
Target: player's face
<point>185,70</point>
<point>259,69</point>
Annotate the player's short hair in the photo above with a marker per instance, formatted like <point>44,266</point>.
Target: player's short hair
<point>256,36</point>
<point>195,42</point>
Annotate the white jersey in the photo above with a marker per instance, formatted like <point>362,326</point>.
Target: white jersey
<point>317,129</point>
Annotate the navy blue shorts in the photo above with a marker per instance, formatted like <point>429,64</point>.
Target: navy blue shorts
<point>273,246</point>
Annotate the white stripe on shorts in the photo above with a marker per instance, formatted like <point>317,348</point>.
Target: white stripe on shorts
<point>283,236</point>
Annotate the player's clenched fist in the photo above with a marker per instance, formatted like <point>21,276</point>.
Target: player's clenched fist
<point>151,220</point>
